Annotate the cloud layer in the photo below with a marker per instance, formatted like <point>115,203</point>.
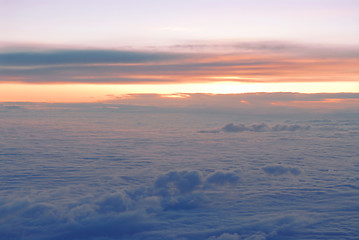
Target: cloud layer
<point>81,57</point>
<point>252,62</point>
<point>109,171</point>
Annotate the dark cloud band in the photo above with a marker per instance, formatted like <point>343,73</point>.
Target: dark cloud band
<point>82,57</point>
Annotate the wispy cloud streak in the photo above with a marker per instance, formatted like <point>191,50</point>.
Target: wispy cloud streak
<point>242,62</point>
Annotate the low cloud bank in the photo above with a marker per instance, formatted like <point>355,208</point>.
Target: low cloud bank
<point>263,127</point>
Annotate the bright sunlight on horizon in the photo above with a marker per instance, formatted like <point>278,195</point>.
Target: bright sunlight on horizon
<point>86,51</point>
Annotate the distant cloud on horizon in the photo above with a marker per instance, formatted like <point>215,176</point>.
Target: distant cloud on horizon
<point>245,103</point>
<point>262,127</point>
<point>265,103</point>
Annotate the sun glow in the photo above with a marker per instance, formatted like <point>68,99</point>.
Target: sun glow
<point>102,92</point>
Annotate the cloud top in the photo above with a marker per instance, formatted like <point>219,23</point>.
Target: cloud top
<point>277,170</point>
<point>262,128</point>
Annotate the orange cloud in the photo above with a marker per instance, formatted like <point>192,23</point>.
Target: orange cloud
<point>246,62</point>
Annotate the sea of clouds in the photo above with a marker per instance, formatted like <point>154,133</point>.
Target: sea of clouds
<point>75,172</point>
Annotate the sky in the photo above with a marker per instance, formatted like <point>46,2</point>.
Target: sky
<point>87,51</point>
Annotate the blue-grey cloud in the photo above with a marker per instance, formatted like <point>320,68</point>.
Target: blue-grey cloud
<point>226,236</point>
<point>184,190</point>
<point>234,128</point>
<point>82,57</point>
<point>222,178</point>
<point>293,127</point>
<point>259,128</point>
<point>116,215</point>
<point>260,46</point>
<point>184,182</point>
<point>277,170</point>
<point>107,218</point>
<point>310,50</point>
<point>50,68</point>
<point>186,202</point>
<point>209,131</point>
<point>11,107</point>
<point>240,59</point>
<point>112,203</point>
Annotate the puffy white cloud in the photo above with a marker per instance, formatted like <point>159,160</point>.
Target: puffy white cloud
<point>111,216</point>
<point>235,128</point>
<point>112,203</point>
<point>182,182</point>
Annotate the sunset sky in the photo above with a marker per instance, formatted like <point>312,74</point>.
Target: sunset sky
<point>179,119</point>
<point>88,51</point>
